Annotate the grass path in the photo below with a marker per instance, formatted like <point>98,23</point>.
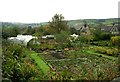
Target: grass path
<point>103,55</point>
<point>40,62</point>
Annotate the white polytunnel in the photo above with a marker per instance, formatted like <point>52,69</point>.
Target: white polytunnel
<point>22,39</point>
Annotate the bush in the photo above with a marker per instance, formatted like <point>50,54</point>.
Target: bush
<point>99,35</point>
<point>108,51</point>
<point>85,38</point>
<point>62,37</point>
<point>100,50</point>
<point>105,36</point>
<point>116,41</point>
<point>112,52</point>
<point>115,51</point>
<point>77,45</point>
<point>82,39</point>
<point>102,43</point>
<point>50,46</point>
<point>16,66</point>
<point>34,44</point>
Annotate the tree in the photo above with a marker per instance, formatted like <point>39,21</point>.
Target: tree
<point>58,24</point>
<point>10,32</point>
<point>73,30</point>
<point>29,31</point>
<point>99,35</point>
<point>39,31</point>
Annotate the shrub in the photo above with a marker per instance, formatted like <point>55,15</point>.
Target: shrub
<point>34,44</point>
<point>112,52</point>
<point>105,36</point>
<point>108,51</point>
<point>50,46</point>
<point>82,38</point>
<point>100,50</point>
<point>16,66</point>
<point>62,37</point>
<point>78,45</point>
<point>116,51</point>
<point>116,40</point>
<point>102,43</point>
<point>99,35</point>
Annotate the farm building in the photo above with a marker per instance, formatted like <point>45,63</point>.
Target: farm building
<point>111,29</point>
<point>22,39</point>
<point>82,28</point>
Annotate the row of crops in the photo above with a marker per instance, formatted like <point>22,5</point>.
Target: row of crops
<point>78,65</point>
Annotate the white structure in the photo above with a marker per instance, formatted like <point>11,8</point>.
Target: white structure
<point>75,36</point>
<point>22,39</point>
<point>48,36</point>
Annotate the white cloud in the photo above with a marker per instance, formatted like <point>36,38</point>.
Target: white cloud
<point>42,10</point>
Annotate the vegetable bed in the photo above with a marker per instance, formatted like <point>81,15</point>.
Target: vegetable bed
<point>81,65</point>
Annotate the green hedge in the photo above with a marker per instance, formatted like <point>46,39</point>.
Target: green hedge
<point>108,51</point>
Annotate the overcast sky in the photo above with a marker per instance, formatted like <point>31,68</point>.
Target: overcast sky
<point>35,11</point>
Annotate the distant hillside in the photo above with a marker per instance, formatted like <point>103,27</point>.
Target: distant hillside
<point>21,25</point>
<point>71,23</point>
